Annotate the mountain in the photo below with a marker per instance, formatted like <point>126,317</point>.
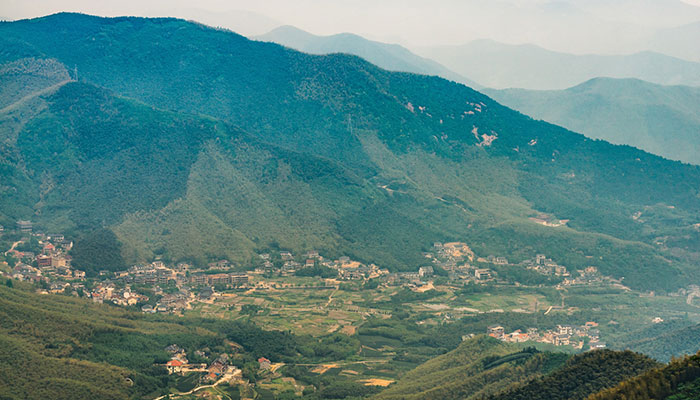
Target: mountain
<point>484,367</point>
<point>581,376</point>
<point>679,380</point>
<point>477,368</point>
<point>680,41</point>
<point>391,57</point>
<point>191,143</point>
<point>528,66</point>
<point>663,120</point>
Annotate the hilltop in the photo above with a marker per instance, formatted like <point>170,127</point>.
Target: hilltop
<point>193,143</point>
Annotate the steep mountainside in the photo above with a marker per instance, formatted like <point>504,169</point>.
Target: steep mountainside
<point>679,380</point>
<point>391,57</point>
<point>369,163</point>
<point>499,66</point>
<point>581,376</point>
<point>663,120</point>
<point>477,368</point>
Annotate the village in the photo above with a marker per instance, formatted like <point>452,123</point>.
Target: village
<point>157,287</point>
<point>308,293</point>
<point>578,337</point>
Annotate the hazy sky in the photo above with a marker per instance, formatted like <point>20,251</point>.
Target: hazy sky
<point>583,26</point>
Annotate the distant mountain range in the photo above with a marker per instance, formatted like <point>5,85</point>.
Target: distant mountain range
<point>663,120</point>
<point>681,41</point>
<point>146,138</point>
<point>391,57</point>
<point>502,66</point>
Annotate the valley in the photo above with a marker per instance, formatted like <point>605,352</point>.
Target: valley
<point>186,213</point>
<point>388,323</point>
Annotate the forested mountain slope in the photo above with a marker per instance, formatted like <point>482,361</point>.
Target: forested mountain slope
<point>369,163</point>
<point>679,380</point>
<point>581,376</point>
<point>477,368</point>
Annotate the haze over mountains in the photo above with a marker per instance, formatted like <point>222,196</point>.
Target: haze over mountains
<point>658,119</point>
<point>500,66</point>
<point>663,120</point>
<point>571,26</point>
<point>366,162</point>
<point>392,57</point>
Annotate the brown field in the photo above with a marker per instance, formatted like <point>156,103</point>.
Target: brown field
<point>349,330</point>
<point>322,369</point>
<point>377,382</point>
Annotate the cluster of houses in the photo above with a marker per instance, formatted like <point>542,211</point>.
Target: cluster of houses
<point>347,268</point>
<point>461,263</point>
<point>178,364</point>
<point>51,264</point>
<point>563,335</point>
<point>108,292</point>
<point>158,274</point>
<point>546,266</point>
<point>458,260</point>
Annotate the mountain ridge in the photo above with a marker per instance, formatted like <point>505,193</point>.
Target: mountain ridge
<point>433,160</point>
<point>392,57</point>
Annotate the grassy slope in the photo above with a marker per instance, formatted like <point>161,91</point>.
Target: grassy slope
<point>663,343</point>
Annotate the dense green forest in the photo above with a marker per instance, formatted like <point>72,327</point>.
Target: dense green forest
<point>679,380</point>
<point>478,367</point>
<point>581,376</point>
<point>366,163</point>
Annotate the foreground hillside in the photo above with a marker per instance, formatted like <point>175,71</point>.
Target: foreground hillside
<point>581,376</point>
<point>484,367</point>
<point>367,163</point>
<point>679,380</point>
<point>477,368</point>
<point>62,347</point>
<point>663,120</point>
